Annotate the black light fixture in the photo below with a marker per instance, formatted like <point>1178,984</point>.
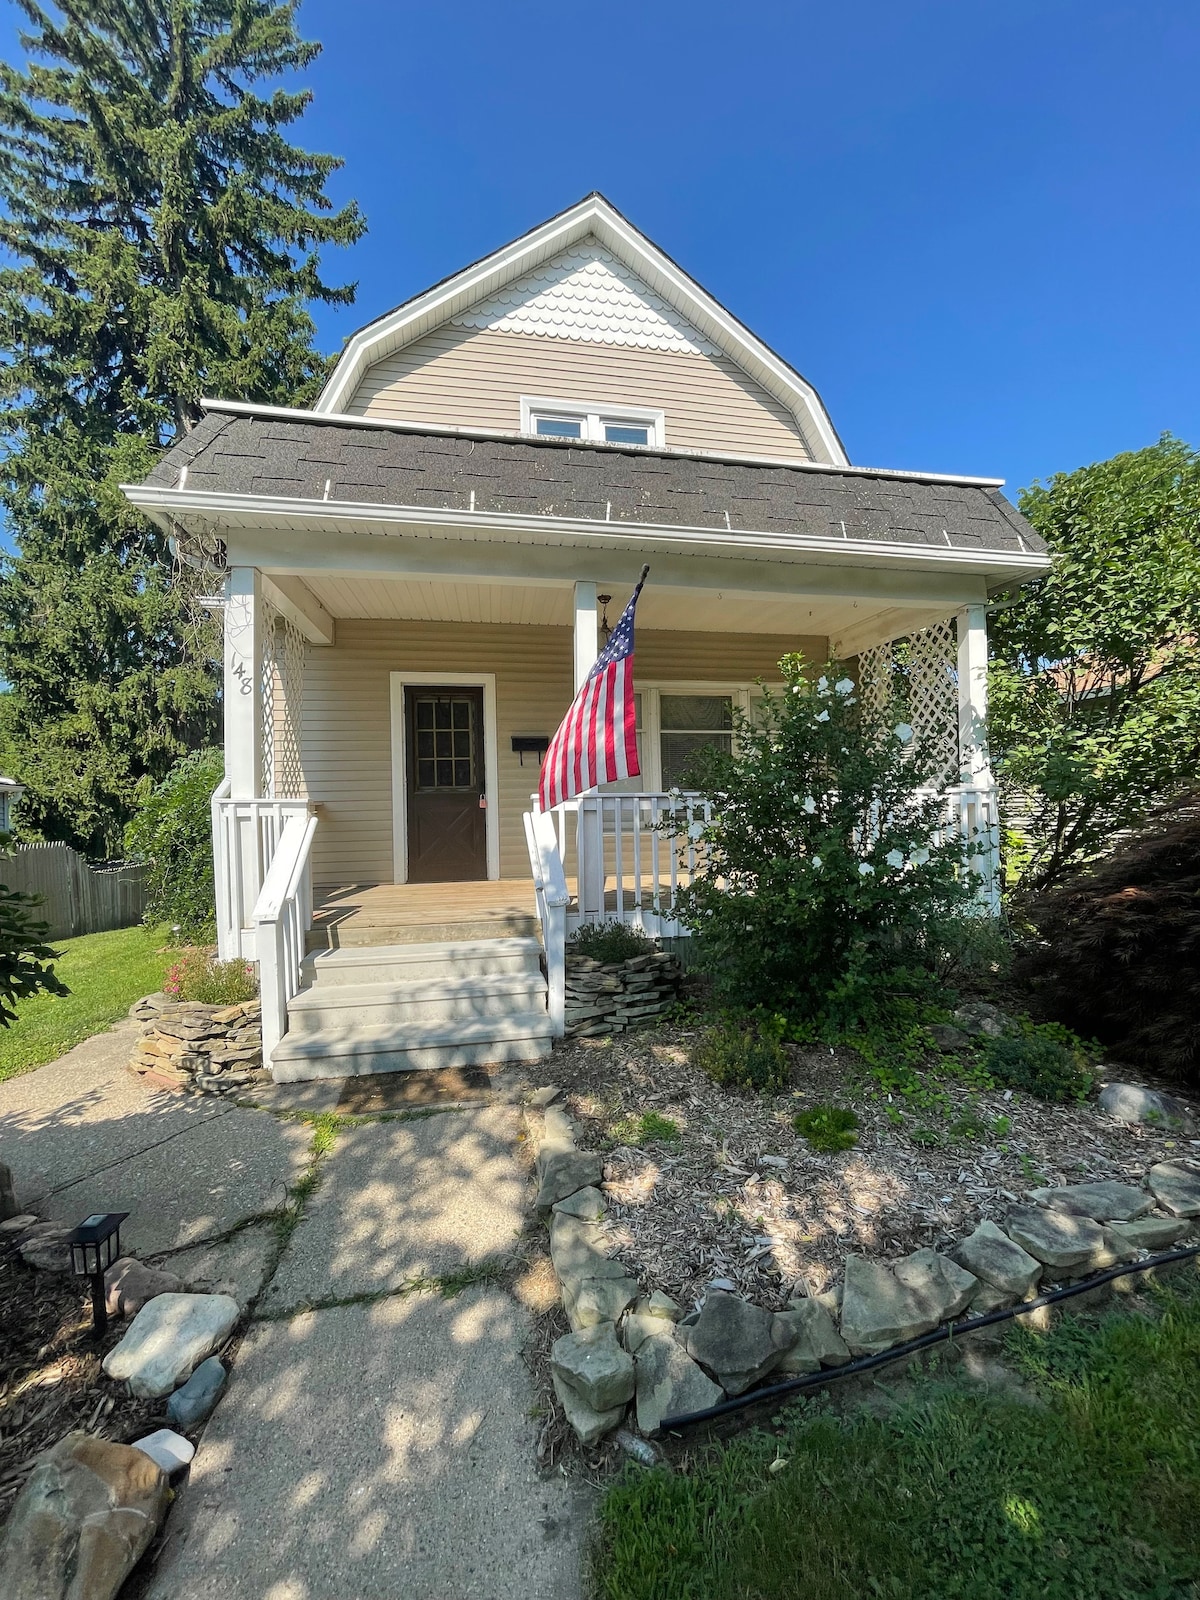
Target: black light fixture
<point>604,627</point>
<point>95,1245</point>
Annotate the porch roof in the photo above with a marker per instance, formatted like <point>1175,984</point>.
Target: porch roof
<point>272,453</point>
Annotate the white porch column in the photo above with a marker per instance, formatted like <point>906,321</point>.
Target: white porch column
<point>587,631</point>
<point>972,694</point>
<point>243,678</point>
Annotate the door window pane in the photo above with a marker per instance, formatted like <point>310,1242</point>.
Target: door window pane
<point>445,743</point>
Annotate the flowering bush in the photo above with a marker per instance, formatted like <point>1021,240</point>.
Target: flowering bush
<point>820,872</point>
<point>198,975</point>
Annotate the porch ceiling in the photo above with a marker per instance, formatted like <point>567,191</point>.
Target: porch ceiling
<point>849,623</point>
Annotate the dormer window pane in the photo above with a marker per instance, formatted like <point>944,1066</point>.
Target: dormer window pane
<point>625,433</point>
<point>561,427</point>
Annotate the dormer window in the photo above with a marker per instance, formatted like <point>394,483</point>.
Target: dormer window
<point>592,423</point>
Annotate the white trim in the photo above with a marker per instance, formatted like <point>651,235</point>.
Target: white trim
<point>491,762</point>
<point>593,414</point>
<point>595,216</point>
<point>347,419</point>
<point>293,599</point>
<point>152,498</point>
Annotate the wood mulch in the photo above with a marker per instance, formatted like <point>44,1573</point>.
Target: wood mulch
<point>739,1195</point>
<point>50,1378</point>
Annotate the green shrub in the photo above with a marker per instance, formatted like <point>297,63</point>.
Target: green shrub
<point>1046,1062</point>
<point>25,957</point>
<point>197,975</point>
<point>738,1056</point>
<point>173,832</point>
<point>827,1128</point>
<point>820,872</point>
<point>609,942</point>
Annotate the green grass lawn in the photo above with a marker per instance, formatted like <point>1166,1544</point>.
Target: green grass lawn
<point>1085,1486</point>
<point>106,973</point>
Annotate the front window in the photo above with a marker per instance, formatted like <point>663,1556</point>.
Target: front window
<point>687,723</point>
<point>592,423</point>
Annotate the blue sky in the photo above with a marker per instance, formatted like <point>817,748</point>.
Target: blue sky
<point>975,227</point>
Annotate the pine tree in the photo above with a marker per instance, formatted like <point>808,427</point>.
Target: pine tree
<point>164,238</point>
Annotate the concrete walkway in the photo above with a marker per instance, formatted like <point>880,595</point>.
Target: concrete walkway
<point>378,1448</point>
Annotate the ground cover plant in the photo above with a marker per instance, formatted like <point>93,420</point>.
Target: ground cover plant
<point>105,973</point>
<point>827,1128</point>
<point>820,871</point>
<point>1080,1481</point>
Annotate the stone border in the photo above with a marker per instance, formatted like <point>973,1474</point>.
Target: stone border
<point>184,1044</point>
<point>629,1346</point>
<point>603,998</point>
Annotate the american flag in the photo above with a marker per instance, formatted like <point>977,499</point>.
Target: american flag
<point>597,739</point>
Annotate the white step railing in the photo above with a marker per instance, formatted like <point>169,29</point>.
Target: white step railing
<point>246,834</point>
<point>282,917</point>
<point>550,890</point>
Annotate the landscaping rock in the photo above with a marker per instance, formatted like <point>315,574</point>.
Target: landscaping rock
<point>576,1249</point>
<point>877,1310</point>
<point>558,1131</point>
<point>129,1284</point>
<point>982,1020</point>
<point>1107,1201</point>
<point>940,1286</point>
<point>563,1172</point>
<point>659,1304</point>
<point>598,1300</point>
<point>193,1402</point>
<point>545,1096</point>
<point>591,1426</point>
<point>737,1342</point>
<point>988,1298</point>
<point>1149,1233</point>
<point>595,1366</point>
<point>586,1204</point>
<point>669,1383</point>
<point>948,1038</point>
<point>45,1246</point>
<point>18,1224</point>
<point>87,1512</point>
<point>991,1255</point>
<point>167,1338</point>
<point>169,1450</point>
<point>1131,1102</point>
<point>640,1326</point>
<point>816,1338</point>
<point>1058,1238</point>
<point>1175,1187</point>
<point>8,1195</point>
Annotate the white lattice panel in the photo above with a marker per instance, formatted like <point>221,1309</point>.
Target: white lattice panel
<point>282,691</point>
<point>586,293</point>
<point>916,681</point>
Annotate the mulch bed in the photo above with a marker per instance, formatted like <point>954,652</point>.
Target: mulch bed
<point>739,1195</point>
<point>376,1092</point>
<point>50,1378</point>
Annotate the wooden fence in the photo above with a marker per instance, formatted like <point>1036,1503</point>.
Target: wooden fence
<point>76,898</point>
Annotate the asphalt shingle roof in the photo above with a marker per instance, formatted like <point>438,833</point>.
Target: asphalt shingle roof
<point>294,458</point>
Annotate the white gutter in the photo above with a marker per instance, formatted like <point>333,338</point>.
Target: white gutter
<point>343,419</point>
<point>473,524</point>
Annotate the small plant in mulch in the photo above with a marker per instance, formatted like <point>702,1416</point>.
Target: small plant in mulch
<point>651,1127</point>
<point>827,1128</point>
<point>748,1056</point>
<point>609,943</point>
<point>1047,1061</point>
<point>199,976</point>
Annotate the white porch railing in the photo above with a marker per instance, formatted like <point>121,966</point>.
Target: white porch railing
<point>246,835</point>
<point>628,855</point>
<point>282,917</point>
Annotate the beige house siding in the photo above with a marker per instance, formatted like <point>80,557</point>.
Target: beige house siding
<point>474,378</point>
<point>347,717</point>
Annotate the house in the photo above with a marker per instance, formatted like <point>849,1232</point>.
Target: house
<point>416,574</point>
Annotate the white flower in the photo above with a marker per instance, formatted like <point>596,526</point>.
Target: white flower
<point>920,857</point>
<point>810,805</point>
<point>903,732</point>
<point>695,829</point>
<point>824,717</point>
<point>797,688</point>
<point>844,686</point>
<point>822,685</point>
<point>816,861</point>
<point>895,858</point>
<point>865,869</point>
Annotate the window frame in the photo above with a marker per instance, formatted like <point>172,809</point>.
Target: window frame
<point>651,780</point>
<point>592,415</point>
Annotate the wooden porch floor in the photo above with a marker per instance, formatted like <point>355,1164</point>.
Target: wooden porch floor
<point>400,913</point>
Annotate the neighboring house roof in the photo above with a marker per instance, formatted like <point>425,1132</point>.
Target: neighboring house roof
<point>277,454</point>
<point>476,297</point>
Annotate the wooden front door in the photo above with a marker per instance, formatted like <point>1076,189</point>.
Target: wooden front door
<point>447,823</point>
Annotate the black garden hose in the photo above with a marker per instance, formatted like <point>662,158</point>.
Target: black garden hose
<point>949,1330</point>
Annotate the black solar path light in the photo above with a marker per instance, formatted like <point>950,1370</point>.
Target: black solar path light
<point>95,1245</point>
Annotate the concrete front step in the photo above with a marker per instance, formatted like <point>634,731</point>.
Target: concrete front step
<point>415,963</point>
<point>356,931</point>
<point>351,1051</point>
<point>325,1008</point>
